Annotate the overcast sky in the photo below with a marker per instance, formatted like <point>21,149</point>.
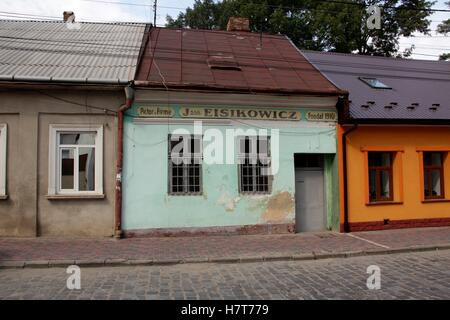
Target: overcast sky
<point>105,10</point>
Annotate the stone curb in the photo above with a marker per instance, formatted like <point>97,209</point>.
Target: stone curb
<point>16,264</point>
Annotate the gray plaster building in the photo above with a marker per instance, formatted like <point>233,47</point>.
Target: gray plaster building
<point>61,89</point>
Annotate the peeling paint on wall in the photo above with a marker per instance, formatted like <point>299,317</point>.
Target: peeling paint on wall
<point>279,207</point>
<point>257,203</point>
<point>228,202</point>
<point>146,204</point>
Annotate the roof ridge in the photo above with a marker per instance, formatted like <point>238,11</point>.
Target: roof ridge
<point>81,22</point>
<point>369,56</point>
<point>253,34</point>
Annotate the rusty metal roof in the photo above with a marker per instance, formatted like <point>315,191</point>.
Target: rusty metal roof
<point>244,61</point>
<point>51,51</point>
<point>420,89</point>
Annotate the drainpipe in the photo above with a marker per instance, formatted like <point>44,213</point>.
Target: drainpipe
<point>344,156</point>
<point>129,96</point>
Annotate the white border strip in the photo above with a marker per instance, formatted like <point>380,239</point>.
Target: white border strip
<point>371,242</point>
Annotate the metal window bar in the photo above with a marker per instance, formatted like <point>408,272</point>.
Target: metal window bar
<point>252,178</point>
<point>185,173</point>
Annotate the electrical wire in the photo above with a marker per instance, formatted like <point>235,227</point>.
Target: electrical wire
<point>121,47</point>
<point>58,19</point>
<point>106,110</point>
<point>434,10</point>
<point>257,4</point>
<point>363,5</point>
<point>284,132</point>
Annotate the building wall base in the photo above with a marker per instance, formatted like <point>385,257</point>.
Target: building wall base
<point>203,231</point>
<point>397,224</point>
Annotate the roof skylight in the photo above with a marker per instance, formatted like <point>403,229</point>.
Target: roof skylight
<point>223,63</point>
<point>374,83</point>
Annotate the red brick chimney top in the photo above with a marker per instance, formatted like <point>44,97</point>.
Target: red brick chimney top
<point>238,24</point>
<point>67,15</point>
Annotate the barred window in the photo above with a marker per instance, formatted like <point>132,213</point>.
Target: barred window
<point>185,164</point>
<point>254,164</point>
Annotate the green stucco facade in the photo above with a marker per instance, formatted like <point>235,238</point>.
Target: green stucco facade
<point>147,204</point>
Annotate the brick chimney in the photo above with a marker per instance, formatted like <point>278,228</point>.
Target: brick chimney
<point>67,15</point>
<point>238,24</point>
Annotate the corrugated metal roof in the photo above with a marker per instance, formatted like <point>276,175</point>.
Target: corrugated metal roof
<point>95,52</point>
<point>228,60</point>
<point>420,88</point>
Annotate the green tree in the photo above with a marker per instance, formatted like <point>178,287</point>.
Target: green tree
<point>444,28</point>
<point>444,57</point>
<point>319,25</point>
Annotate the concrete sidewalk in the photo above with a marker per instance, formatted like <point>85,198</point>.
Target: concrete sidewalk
<point>49,252</point>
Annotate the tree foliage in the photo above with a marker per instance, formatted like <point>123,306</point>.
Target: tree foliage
<point>445,57</point>
<point>318,25</point>
<point>444,28</point>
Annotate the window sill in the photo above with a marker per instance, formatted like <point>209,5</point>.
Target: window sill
<point>74,196</point>
<point>4,197</point>
<point>380,203</point>
<point>435,200</point>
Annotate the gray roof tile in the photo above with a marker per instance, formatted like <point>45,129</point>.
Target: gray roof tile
<point>106,52</point>
<point>424,82</point>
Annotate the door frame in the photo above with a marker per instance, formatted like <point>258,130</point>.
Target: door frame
<point>324,187</point>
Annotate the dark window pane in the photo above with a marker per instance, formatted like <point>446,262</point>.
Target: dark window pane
<point>379,159</point>
<point>308,160</point>
<point>427,158</point>
<point>372,185</point>
<point>77,138</point>
<point>67,169</point>
<point>432,159</point>
<point>86,169</point>
<point>426,184</point>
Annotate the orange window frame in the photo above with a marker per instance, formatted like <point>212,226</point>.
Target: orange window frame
<point>444,150</point>
<point>428,171</point>
<point>378,171</point>
<point>397,172</point>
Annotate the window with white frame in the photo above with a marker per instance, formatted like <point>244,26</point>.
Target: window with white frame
<point>254,164</point>
<point>3,139</point>
<point>76,160</point>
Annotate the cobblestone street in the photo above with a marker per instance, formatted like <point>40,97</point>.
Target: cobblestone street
<point>49,251</point>
<point>422,275</point>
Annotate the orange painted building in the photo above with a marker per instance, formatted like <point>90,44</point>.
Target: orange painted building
<point>393,140</point>
<point>404,200</point>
